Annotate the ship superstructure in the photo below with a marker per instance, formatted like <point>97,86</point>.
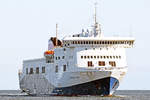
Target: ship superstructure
<point>82,64</point>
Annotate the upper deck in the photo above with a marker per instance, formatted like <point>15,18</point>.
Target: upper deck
<point>125,42</point>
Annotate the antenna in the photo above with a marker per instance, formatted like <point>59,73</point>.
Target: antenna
<point>97,28</point>
<point>95,15</point>
<point>56,32</point>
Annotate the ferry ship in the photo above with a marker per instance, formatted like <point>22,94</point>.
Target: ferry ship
<point>87,63</point>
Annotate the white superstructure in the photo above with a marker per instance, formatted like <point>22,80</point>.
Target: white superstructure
<point>81,64</point>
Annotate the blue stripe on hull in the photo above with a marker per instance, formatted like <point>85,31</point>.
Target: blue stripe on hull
<point>103,86</point>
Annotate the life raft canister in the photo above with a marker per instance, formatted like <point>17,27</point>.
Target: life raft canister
<point>49,52</point>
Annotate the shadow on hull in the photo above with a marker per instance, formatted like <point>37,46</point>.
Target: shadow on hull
<point>102,87</point>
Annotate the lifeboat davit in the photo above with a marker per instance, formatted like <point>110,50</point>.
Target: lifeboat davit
<point>49,52</point>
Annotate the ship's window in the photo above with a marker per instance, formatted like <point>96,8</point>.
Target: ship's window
<point>110,57</point>
<point>56,58</point>
<point>110,42</point>
<point>64,49</point>
<point>97,42</point>
<point>88,57</point>
<point>37,70</point>
<point>132,42</point>
<point>97,56</point>
<point>43,69</point>
<point>102,42</point>
<point>101,63</point>
<point>81,57</point>
<point>90,64</point>
<point>112,63</point>
<point>86,42</point>
<point>114,57</point>
<point>75,42</point>
<point>56,69</point>
<point>94,42</point>
<point>31,71</point>
<point>107,57</point>
<point>84,57</point>
<point>85,48</point>
<point>117,57</point>
<point>94,56</point>
<point>78,42</point>
<point>91,42</point>
<point>64,68</point>
<point>104,57</point>
<point>101,57</point>
<point>63,57</point>
<point>72,42</point>
<point>81,42</point>
<point>91,56</point>
<point>26,70</point>
<point>120,57</point>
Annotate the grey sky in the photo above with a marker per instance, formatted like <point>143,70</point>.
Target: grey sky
<point>26,25</point>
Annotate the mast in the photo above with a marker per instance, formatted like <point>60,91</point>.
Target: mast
<point>97,28</point>
<point>56,33</point>
<point>95,14</point>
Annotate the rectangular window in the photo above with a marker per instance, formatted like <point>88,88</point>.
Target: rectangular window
<point>64,68</point>
<point>90,64</point>
<point>43,69</point>
<point>37,70</point>
<point>31,71</point>
<point>26,70</point>
<point>56,69</point>
<point>101,63</point>
<point>112,63</point>
<point>63,57</point>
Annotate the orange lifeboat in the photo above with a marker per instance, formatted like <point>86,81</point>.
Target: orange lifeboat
<point>49,52</point>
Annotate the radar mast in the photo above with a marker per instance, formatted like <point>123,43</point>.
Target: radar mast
<point>97,28</point>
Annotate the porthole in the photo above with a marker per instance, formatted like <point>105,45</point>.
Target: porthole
<point>104,57</point>
<point>120,57</point>
<point>97,56</point>
<point>117,57</point>
<point>107,57</point>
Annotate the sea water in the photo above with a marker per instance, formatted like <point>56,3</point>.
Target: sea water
<point>119,95</point>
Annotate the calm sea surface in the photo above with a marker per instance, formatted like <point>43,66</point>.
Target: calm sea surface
<point>119,95</point>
